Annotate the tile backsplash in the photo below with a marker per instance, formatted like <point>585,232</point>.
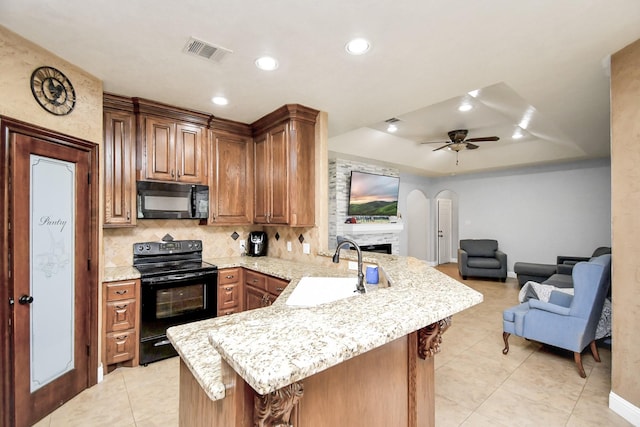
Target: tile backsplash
<point>217,241</point>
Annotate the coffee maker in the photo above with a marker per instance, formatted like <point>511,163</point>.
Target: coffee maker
<point>257,243</point>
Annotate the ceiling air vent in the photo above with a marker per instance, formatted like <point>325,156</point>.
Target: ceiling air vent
<point>205,50</point>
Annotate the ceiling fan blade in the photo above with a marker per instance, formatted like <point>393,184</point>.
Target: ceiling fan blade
<point>486,138</point>
<point>440,148</point>
<point>471,146</point>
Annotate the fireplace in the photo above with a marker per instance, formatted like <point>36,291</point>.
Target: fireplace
<point>383,248</point>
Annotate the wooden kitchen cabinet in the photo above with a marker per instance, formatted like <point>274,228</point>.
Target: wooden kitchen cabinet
<point>230,174</point>
<point>119,162</point>
<point>171,143</point>
<point>120,313</point>
<point>229,291</point>
<point>261,290</point>
<point>284,161</point>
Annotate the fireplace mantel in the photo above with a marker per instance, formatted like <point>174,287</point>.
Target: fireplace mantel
<point>372,228</point>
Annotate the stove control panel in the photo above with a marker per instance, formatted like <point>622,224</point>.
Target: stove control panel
<point>161,248</point>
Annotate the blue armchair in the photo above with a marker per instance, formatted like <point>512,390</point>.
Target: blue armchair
<point>566,321</point>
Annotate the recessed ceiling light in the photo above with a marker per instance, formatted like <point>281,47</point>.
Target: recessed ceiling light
<point>219,100</point>
<point>267,63</point>
<point>474,93</point>
<point>358,46</point>
<point>465,106</point>
<point>392,128</point>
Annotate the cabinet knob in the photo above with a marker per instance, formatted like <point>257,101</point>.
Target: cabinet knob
<point>228,288</point>
<point>279,289</point>
<point>172,174</point>
<point>229,276</point>
<point>121,292</point>
<point>128,216</point>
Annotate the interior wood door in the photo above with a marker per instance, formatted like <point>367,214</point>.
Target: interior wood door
<point>52,284</point>
<point>444,231</point>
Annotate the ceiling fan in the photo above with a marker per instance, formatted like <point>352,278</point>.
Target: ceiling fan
<point>459,142</point>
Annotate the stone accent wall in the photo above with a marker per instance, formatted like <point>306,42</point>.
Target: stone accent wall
<point>339,175</point>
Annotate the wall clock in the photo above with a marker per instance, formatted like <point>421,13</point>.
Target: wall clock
<point>53,91</point>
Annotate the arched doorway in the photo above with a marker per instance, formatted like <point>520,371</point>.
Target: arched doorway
<point>418,225</point>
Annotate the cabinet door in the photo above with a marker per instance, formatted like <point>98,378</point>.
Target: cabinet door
<point>253,298</point>
<point>275,286</point>
<point>279,152</point>
<point>228,297</point>
<point>120,315</point>
<point>189,154</point>
<point>120,346</point>
<point>159,149</point>
<point>262,176</point>
<point>119,169</point>
<point>231,188</point>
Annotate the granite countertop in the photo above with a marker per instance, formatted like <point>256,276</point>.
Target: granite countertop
<point>278,345</point>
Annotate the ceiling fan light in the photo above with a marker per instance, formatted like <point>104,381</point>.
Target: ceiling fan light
<point>517,134</point>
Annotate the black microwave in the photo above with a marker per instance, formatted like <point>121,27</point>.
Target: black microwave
<point>168,200</point>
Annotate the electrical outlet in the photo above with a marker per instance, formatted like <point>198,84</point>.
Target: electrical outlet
<point>306,248</point>
<point>353,265</point>
<point>242,246</point>
<point>289,246</point>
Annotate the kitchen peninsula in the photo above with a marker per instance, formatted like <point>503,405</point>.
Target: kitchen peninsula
<point>362,360</point>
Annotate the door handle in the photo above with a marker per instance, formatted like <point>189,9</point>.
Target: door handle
<point>25,299</point>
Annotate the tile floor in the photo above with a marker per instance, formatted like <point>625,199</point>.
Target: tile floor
<point>476,385</point>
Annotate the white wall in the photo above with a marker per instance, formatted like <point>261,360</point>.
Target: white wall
<point>536,213</point>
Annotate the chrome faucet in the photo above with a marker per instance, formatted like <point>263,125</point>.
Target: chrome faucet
<point>336,259</point>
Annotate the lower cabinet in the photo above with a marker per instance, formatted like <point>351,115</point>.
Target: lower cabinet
<point>261,290</point>
<point>229,291</point>
<point>120,314</point>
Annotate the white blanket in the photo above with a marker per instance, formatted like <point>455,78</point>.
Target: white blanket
<point>543,293</point>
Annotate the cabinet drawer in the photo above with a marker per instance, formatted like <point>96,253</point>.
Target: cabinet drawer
<point>228,312</point>
<point>275,286</point>
<point>256,280</point>
<point>121,346</point>
<point>228,296</point>
<point>229,275</point>
<point>121,315</point>
<point>117,291</point>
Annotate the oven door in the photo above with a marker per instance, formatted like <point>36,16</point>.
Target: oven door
<point>169,301</point>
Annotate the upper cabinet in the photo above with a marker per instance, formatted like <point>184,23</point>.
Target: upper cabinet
<point>230,173</point>
<point>284,173</point>
<point>261,173</point>
<point>119,162</point>
<point>171,143</point>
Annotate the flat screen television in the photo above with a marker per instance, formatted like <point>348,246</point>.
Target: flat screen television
<point>373,195</point>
